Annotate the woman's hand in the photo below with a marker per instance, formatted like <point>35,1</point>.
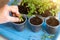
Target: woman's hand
<point>4,14</point>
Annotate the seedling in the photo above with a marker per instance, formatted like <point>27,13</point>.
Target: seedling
<point>21,18</point>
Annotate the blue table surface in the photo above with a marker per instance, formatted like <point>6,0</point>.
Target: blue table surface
<point>11,34</point>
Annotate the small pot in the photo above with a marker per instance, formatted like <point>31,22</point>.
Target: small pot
<point>20,26</point>
<point>51,27</point>
<point>34,27</point>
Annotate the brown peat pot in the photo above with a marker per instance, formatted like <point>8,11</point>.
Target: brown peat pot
<point>52,24</point>
<point>35,23</point>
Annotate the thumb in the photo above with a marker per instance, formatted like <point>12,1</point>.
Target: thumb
<point>14,19</point>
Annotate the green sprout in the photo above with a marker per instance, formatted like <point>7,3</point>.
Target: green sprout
<point>43,37</point>
<point>21,18</point>
<point>47,36</point>
<point>51,36</point>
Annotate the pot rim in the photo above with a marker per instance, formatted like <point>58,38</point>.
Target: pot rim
<point>24,21</point>
<point>33,24</point>
<point>53,26</point>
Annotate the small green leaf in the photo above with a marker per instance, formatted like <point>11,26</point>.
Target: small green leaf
<point>51,36</point>
<point>21,18</point>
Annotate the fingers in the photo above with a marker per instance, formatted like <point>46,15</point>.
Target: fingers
<point>16,14</point>
<point>14,19</point>
<point>14,9</point>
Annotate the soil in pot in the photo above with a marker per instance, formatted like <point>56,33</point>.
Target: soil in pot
<point>46,14</point>
<point>21,21</point>
<point>52,21</point>
<point>36,20</point>
<point>23,9</point>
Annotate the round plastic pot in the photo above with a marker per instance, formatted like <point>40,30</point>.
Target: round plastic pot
<point>51,29</point>
<point>35,28</point>
<point>21,26</point>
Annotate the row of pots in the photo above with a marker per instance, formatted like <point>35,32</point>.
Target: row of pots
<point>31,23</point>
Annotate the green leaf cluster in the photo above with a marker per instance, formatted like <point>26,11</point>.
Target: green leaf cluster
<point>42,6</point>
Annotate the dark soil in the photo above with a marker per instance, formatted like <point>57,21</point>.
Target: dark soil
<point>46,14</point>
<point>20,22</point>
<point>36,20</point>
<point>52,22</point>
<point>23,9</point>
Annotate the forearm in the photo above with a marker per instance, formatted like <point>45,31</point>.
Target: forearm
<point>3,2</point>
